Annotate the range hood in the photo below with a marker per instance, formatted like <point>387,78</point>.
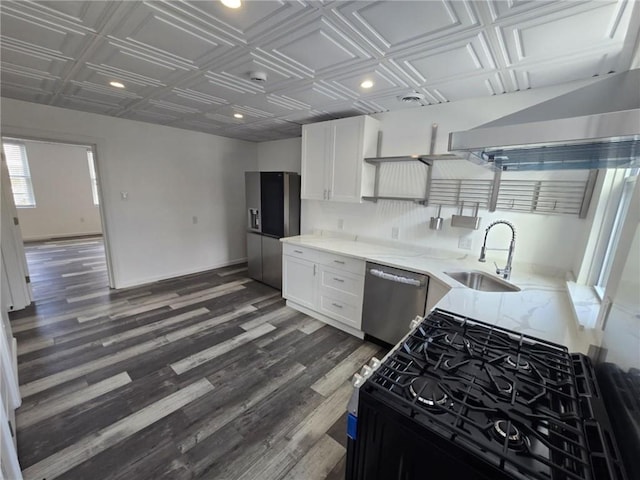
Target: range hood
<point>596,126</point>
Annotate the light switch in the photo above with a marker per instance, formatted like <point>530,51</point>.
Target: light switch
<point>124,195</point>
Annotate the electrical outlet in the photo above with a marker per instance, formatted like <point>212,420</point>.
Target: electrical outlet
<point>465,242</point>
<point>394,232</point>
<point>341,224</point>
<point>194,219</point>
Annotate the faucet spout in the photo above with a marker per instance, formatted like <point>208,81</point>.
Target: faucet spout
<point>506,271</point>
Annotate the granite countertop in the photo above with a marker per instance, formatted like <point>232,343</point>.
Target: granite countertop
<point>541,309</point>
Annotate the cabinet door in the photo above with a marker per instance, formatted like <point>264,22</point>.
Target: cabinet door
<point>346,175</point>
<point>299,281</point>
<point>315,153</point>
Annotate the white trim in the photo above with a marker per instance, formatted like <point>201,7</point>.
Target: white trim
<point>8,455</point>
<point>618,217</point>
<point>608,199</point>
<point>629,227</point>
<point>7,361</point>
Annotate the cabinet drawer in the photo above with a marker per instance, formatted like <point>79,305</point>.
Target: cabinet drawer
<point>345,312</point>
<point>334,281</point>
<point>340,262</point>
<point>310,254</point>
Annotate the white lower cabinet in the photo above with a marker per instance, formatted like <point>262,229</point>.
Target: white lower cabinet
<point>328,287</point>
<point>299,281</point>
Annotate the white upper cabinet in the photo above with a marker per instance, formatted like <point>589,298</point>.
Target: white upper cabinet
<point>333,153</point>
<point>316,139</point>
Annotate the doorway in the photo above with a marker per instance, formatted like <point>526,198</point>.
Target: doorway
<point>56,191</point>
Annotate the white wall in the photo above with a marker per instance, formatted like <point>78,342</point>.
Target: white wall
<point>62,188</point>
<point>545,240</point>
<point>169,175</point>
<point>280,155</point>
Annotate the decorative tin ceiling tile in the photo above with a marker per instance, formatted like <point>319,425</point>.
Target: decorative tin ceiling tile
<point>583,28</point>
<point>188,63</point>
<point>393,26</point>
<point>582,67</point>
<point>168,38</point>
<point>384,80</point>
<point>455,60</point>
<point>315,48</point>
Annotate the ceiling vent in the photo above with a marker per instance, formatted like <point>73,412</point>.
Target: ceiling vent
<point>258,77</point>
<point>411,97</point>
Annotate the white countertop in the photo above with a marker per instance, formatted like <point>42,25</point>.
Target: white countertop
<point>541,309</point>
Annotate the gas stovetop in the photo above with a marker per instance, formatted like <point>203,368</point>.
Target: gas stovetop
<point>523,405</point>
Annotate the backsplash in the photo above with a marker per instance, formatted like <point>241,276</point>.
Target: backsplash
<point>548,241</point>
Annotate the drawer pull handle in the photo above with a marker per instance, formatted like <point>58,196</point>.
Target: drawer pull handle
<point>339,261</point>
<point>338,280</point>
<point>299,251</point>
<point>337,305</point>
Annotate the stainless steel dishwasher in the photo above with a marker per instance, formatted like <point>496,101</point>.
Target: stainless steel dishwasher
<point>392,298</point>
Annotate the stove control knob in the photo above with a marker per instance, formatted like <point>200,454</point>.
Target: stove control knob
<point>357,380</point>
<point>374,363</point>
<point>366,371</point>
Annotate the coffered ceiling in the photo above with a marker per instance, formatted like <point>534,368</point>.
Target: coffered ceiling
<point>188,64</point>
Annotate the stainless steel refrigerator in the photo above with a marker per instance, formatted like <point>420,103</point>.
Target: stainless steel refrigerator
<point>273,212</point>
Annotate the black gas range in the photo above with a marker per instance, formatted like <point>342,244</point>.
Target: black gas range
<point>459,398</point>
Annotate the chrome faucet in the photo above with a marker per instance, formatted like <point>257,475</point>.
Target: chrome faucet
<point>506,271</point>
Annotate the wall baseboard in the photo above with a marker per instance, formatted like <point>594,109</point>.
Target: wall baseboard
<point>40,238</point>
<point>146,280</point>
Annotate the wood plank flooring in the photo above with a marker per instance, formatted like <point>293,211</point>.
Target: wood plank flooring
<point>206,376</point>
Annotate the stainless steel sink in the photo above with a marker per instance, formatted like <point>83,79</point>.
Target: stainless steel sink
<point>482,281</point>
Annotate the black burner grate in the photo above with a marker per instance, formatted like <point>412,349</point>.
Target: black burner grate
<point>508,398</point>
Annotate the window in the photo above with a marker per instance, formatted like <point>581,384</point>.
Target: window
<point>16,155</point>
<point>630,177</point>
<point>92,174</point>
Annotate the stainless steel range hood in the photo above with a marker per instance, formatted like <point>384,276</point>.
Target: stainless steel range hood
<point>596,126</point>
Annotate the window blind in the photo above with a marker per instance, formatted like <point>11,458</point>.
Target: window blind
<point>16,155</point>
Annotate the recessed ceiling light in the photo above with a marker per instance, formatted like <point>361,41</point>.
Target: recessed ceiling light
<point>231,3</point>
<point>117,84</point>
<point>367,84</point>
<point>238,115</point>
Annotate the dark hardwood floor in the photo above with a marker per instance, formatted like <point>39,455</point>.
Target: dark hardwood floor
<point>206,376</point>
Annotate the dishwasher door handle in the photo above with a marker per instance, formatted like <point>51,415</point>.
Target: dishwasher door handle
<point>396,278</point>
